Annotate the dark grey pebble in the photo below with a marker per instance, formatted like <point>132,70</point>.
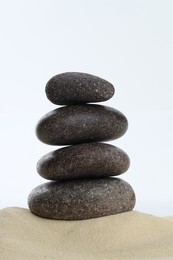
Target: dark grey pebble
<point>81,124</point>
<point>83,160</point>
<point>81,199</point>
<point>75,88</point>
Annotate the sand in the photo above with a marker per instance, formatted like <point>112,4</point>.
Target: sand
<point>131,235</point>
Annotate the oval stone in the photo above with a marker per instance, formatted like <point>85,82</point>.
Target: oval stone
<point>76,87</point>
<point>81,124</point>
<point>83,161</point>
<point>81,199</point>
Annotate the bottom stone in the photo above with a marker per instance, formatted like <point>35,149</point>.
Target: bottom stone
<point>81,199</point>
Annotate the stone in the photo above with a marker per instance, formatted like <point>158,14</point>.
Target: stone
<point>76,88</point>
<point>81,199</point>
<point>81,124</point>
<point>83,161</point>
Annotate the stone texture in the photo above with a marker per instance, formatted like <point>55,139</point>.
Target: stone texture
<point>81,124</point>
<point>83,160</point>
<point>75,88</point>
<point>81,199</point>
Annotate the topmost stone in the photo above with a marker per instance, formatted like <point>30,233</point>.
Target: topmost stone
<point>77,88</point>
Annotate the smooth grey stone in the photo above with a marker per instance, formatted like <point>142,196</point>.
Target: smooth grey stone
<point>81,124</point>
<point>81,199</point>
<point>83,160</point>
<point>76,87</point>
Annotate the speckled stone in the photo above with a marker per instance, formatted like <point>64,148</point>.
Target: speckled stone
<point>75,88</point>
<point>83,161</point>
<point>81,199</point>
<point>81,124</point>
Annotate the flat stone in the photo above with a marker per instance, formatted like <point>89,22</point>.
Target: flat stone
<point>75,88</point>
<point>81,199</point>
<point>83,160</point>
<point>81,124</point>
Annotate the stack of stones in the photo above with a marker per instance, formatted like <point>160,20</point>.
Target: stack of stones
<point>81,186</point>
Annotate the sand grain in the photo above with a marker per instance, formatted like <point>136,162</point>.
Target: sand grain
<point>131,235</point>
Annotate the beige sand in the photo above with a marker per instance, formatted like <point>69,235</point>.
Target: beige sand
<point>131,235</point>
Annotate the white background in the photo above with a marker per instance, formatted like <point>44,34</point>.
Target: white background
<point>129,43</point>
